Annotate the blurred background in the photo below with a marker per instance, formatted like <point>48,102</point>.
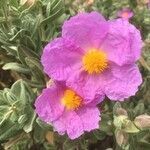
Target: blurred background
<point>26,26</point>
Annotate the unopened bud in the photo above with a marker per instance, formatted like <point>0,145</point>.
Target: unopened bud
<point>142,121</point>
<point>121,137</point>
<point>50,137</point>
<point>90,2</point>
<point>27,3</point>
<point>121,111</point>
<point>142,2</point>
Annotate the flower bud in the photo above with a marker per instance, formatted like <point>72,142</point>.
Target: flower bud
<point>90,2</point>
<point>121,137</point>
<point>50,137</point>
<point>27,3</point>
<point>121,111</point>
<point>142,2</point>
<point>142,121</point>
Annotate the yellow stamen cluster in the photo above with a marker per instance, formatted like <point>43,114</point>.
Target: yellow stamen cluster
<point>71,100</point>
<point>95,61</point>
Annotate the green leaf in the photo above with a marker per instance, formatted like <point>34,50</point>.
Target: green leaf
<point>129,127</point>
<point>44,125</point>
<point>48,8</point>
<point>14,3</point>
<point>8,130</point>
<point>99,135</point>
<point>39,133</point>
<point>22,119</point>
<point>36,69</point>
<point>23,92</point>
<point>53,6</point>
<point>106,124</point>
<point>16,67</point>
<point>52,17</point>
<point>28,42</point>
<point>70,145</point>
<point>54,10</point>
<point>31,115</point>
<point>18,35</point>
<point>11,98</point>
<point>3,101</point>
<point>35,84</point>
<point>36,26</point>
<point>10,49</point>
<point>3,110</point>
<point>3,3</point>
<point>24,52</point>
<point>139,109</point>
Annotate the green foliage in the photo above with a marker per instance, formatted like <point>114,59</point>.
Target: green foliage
<point>16,111</point>
<point>26,26</point>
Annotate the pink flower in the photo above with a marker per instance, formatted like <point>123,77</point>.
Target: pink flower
<point>96,57</point>
<point>66,111</point>
<point>148,4</point>
<point>125,13</point>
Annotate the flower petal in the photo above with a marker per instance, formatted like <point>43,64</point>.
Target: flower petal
<point>71,123</point>
<point>88,86</point>
<point>90,117</point>
<point>48,106</point>
<point>123,42</point>
<point>122,82</point>
<point>60,58</point>
<point>86,29</point>
<point>60,125</point>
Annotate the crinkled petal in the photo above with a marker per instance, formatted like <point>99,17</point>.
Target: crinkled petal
<point>122,82</point>
<point>88,86</point>
<point>60,125</point>
<point>48,106</point>
<point>122,43</point>
<point>90,117</point>
<point>71,123</point>
<point>86,29</point>
<point>60,58</point>
<point>97,100</point>
<point>117,82</point>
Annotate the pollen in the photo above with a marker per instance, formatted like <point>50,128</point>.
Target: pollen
<point>71,100</point>
<point>95,61</point>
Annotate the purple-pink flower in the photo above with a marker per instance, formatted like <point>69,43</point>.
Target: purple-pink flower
<point>148,4</point>
<point>66,111</point>
<point>125,13</point>
<point>96,57</point>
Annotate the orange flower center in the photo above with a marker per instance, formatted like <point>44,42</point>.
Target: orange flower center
<point>95,61</point>
<point>125,15</point>
<point>71,100</point>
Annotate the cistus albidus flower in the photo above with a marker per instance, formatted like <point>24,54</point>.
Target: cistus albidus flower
<point>148,4</point>
<point>95,56</point>
<point>66,111</point>
<point>125,13</point>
